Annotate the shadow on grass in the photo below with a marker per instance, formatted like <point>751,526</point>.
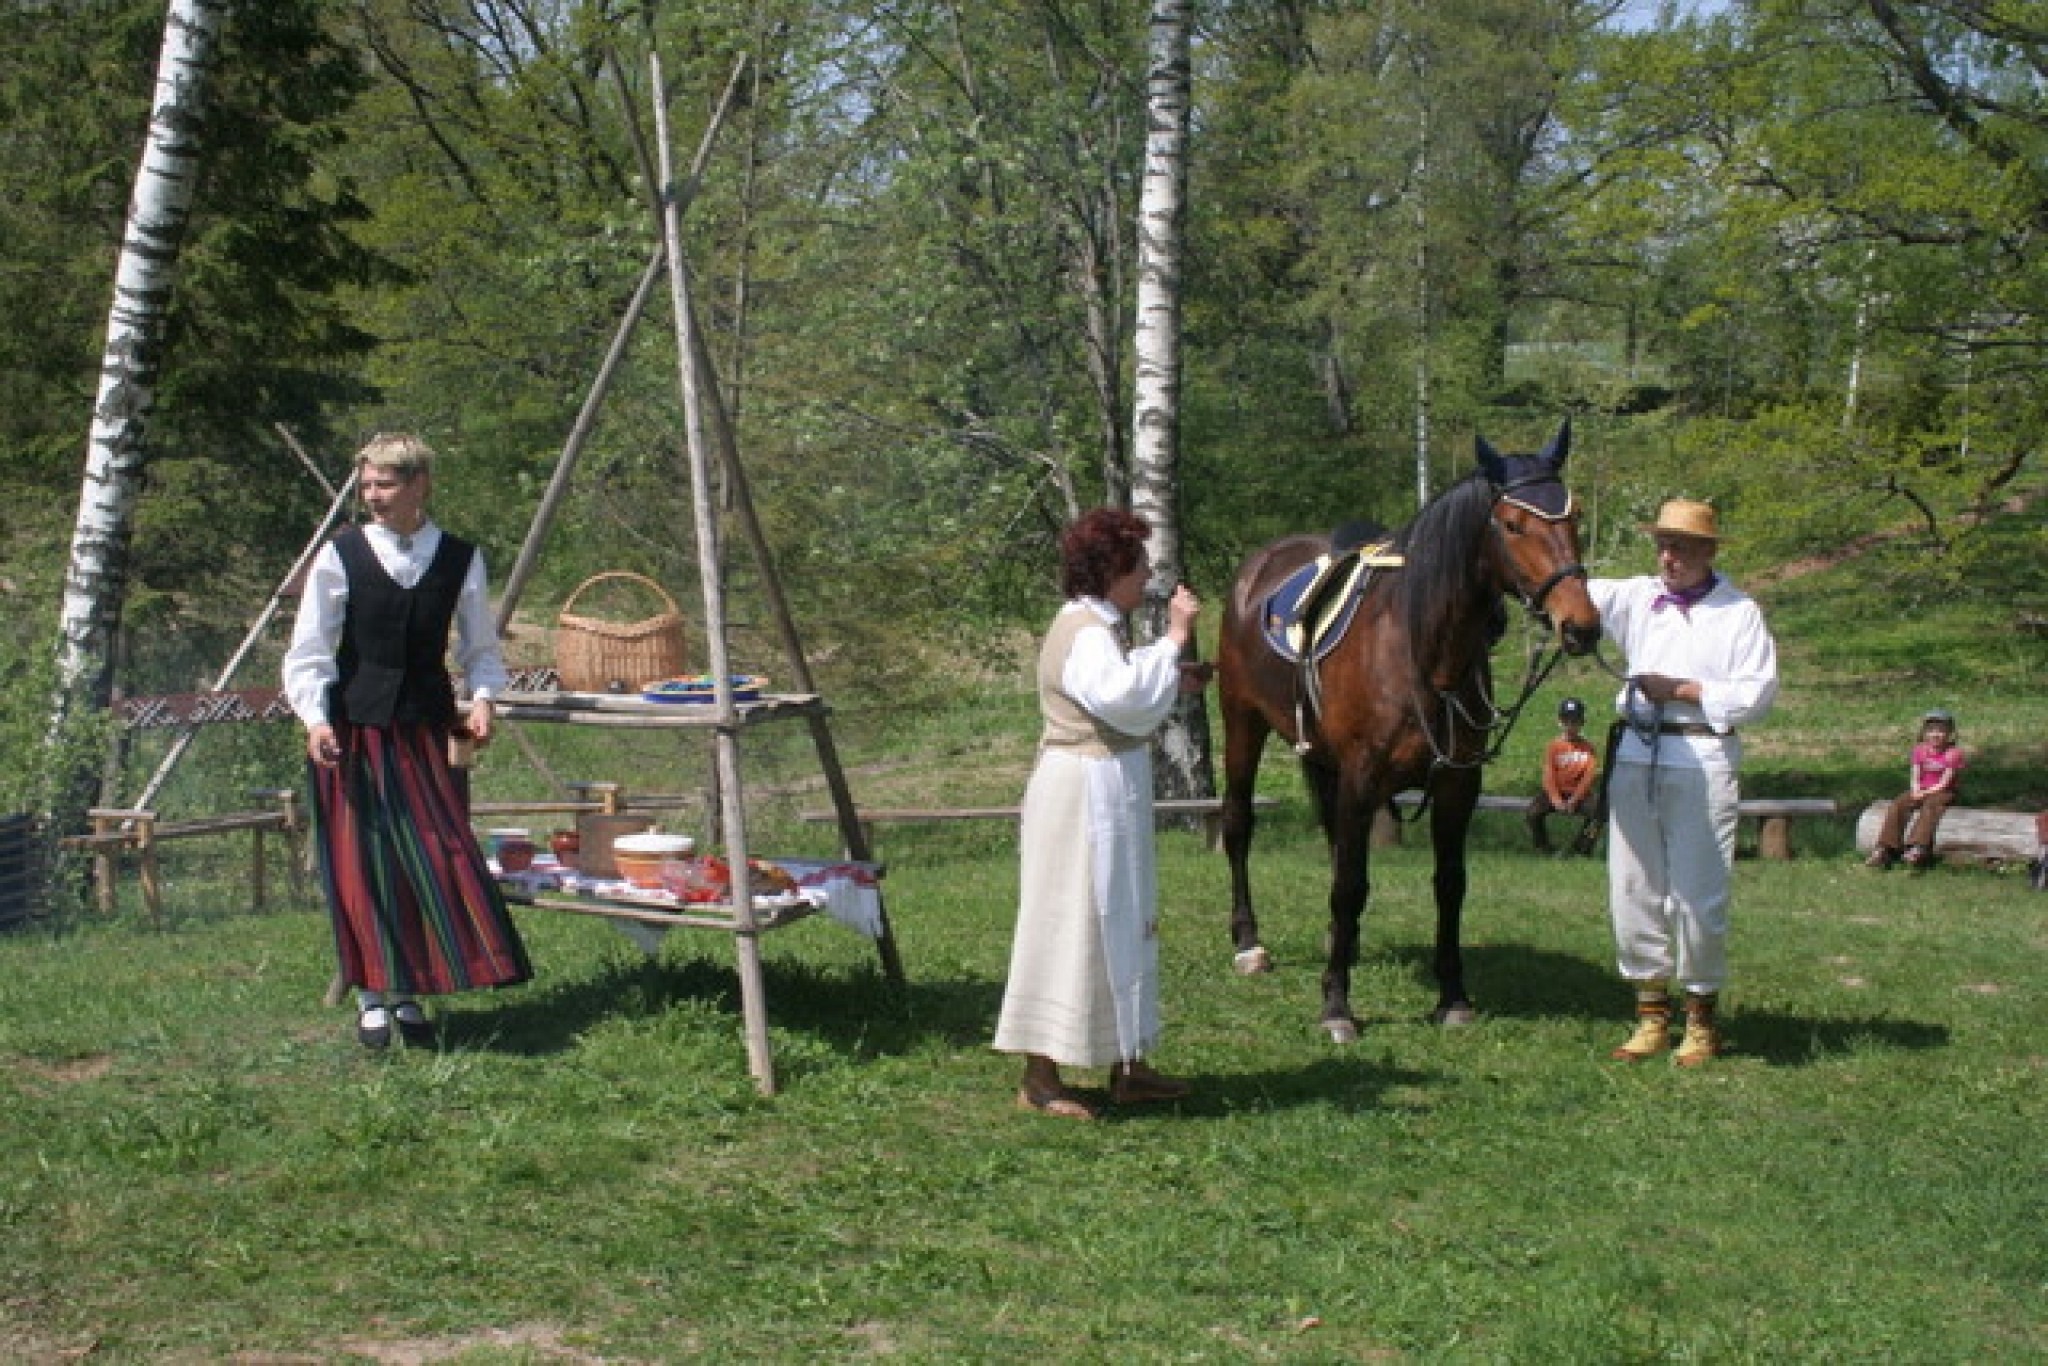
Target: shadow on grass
<point>1516,981</point>
<point>855,1012</point>
<point>1784,1040</point>
<point>858,1015</point>
<point>1350,1084</point>
<point>1524,982</point>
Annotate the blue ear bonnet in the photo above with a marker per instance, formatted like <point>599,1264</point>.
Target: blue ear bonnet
<point>1536,482</point>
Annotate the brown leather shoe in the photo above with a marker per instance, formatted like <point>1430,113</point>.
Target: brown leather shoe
<point>1136,1084</point>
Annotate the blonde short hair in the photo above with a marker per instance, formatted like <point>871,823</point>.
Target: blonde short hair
<point>401,451</point>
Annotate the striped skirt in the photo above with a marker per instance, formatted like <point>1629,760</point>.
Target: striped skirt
<point>414,905</point>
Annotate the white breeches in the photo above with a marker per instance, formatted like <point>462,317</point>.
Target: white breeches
<point>1670,853</point>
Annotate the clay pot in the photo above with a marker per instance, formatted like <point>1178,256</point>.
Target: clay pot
<point>566,844</point>
<point>640,857</point>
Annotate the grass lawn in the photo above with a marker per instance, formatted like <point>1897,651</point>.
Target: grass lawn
<point>200,1165</point>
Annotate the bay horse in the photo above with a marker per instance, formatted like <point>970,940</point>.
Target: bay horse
<point>1404,699</point>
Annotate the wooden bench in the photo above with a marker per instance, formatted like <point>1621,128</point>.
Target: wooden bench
<point>139,831</point>
<point>1209,810</point>
<point>1773,815</point>
<point>1971,835</point>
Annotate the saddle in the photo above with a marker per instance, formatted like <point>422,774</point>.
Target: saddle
<point>1307,615</point>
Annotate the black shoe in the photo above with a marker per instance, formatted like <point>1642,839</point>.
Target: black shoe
<point>413,1025</point>
<point>374,1036</point>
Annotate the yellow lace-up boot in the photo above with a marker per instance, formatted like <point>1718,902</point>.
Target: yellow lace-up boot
<point>1702,1034</point>
<point>1653,1024</point>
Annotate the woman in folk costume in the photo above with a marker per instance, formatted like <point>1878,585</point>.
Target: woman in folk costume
<point>415,909</point>
<point>1084,969</point>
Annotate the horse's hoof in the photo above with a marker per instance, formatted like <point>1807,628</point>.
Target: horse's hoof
<point>1341,1031</point>
<point>1461,1014</point>
<point>1252,961</point>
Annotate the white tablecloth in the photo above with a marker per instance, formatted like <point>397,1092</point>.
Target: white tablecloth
<point>847,892</point>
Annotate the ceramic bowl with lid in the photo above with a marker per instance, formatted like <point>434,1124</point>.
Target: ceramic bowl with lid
<point>640,856</point>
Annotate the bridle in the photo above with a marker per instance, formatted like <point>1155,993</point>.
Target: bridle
<point>1533,599</point>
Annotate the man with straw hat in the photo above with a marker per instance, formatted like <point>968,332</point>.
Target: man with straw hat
<point>1701,665</point>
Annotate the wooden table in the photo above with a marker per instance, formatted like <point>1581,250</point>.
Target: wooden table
<point>745,921</point>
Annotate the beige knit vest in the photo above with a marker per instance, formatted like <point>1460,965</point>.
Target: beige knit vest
<point>1068,726</point>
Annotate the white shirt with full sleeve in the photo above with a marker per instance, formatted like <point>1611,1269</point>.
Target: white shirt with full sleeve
<point>1131,692</point>
<point>1721,642</point>
<point>310,668</point>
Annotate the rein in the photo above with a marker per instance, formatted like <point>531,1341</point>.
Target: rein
<point>1499,723</point>
<point>1498,726</point>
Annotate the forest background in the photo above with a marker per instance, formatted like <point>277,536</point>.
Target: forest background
<point>1787,255</point>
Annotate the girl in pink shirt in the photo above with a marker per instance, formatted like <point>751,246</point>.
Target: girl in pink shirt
<point>1933,776</point>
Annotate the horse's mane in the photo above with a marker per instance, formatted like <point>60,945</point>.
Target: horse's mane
<point>1441,553</point>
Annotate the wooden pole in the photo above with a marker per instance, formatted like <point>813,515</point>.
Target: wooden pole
<point>263,620</point>
<point>746,934</point>
<point>853,834</point>
<point>572,449</point>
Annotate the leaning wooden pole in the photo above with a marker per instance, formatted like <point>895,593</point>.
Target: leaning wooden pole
<point>747,935</point>
<point>853,834</point>
<point>572,449</point>
<point>270,610</point>
<point>586,418</point>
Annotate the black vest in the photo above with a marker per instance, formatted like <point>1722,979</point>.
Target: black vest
<point>393,656</point>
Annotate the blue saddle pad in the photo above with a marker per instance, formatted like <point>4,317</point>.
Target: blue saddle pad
<point>1327,590</point>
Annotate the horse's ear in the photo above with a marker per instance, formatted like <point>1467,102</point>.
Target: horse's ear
<point>1490,462</point>
<point>1560,445</point>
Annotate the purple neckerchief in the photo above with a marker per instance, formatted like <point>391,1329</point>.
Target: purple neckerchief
<point>1684,599</point>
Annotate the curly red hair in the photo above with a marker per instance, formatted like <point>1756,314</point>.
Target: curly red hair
<point>1100,548</point>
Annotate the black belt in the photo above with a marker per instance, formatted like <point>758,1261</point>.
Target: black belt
<point>1697,728</point>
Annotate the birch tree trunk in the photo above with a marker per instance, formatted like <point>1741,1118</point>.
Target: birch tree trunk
<point>1181,765</point>
<point>1424,331</point>
<point>95,583</point>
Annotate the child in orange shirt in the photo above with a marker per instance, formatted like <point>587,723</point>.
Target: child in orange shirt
<point>1571,770</point>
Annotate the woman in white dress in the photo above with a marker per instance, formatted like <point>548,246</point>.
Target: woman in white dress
<point>1084,968</point>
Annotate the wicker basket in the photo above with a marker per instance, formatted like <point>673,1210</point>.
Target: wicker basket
<point>608,656</point>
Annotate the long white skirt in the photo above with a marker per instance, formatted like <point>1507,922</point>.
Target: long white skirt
<point>1084,968</point>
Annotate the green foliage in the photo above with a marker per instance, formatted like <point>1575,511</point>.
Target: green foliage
<point>911,253</point>
<point>256,336</point>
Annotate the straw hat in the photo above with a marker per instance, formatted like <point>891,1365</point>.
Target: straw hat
<point>1685,517</point>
